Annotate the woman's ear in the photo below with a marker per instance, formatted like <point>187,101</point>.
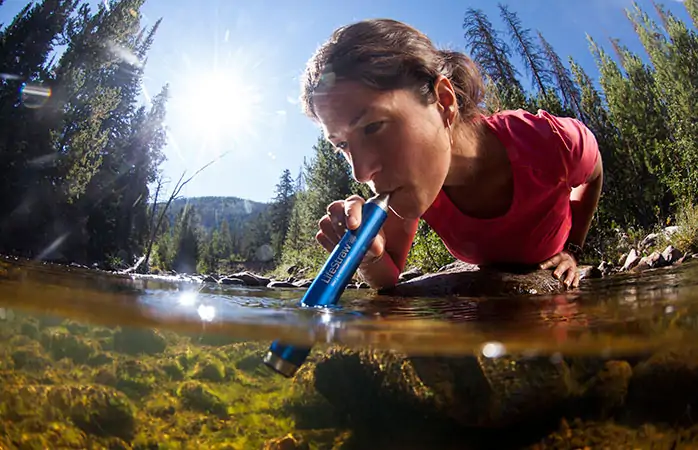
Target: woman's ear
<point>446,99</point>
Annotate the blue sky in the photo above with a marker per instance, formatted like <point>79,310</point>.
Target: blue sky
<point>234,67</point>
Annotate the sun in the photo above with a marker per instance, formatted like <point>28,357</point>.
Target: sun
<point>217,106</point>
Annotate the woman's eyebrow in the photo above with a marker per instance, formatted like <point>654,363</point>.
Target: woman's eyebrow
<point>355,120</point>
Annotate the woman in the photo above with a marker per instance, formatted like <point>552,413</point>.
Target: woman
<point>512,187</point>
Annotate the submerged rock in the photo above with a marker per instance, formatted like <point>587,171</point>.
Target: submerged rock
<point>474,391</point>
<point>664,386</point>
<point>198,397</point>
<point>211,369</point>
<point>98,410</point>
<point>460,278</point>
<point>61,344</point>
<point>607,391</point>
<point>133,341</point>
<point>288,442</point>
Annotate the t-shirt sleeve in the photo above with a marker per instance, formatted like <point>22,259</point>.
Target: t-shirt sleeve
<point>579,150</point>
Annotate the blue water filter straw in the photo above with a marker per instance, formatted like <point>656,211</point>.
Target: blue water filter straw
<point>332,279</point>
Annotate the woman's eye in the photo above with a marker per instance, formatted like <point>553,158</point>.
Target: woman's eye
<point>341,146</point>
<point>373,127</point>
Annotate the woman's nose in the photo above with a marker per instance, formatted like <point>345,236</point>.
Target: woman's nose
<point>365,164</point>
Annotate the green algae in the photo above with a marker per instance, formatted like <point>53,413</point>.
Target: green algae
<point>69,385</point>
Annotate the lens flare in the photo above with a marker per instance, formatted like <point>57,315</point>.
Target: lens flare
<point>34,95</point>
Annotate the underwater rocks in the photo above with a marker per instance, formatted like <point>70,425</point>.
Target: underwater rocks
<point>98,410</point>
<point>664,386</point>
<point>460,278</point>
<point>288,442</point>
<point>133,341</point>
<point>475,391</point>
<point>199,397</point>
<point>62,344</point>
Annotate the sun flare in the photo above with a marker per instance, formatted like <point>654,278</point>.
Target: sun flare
<point>218,106</point>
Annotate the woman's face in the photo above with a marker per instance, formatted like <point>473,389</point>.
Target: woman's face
<point>393,142</point>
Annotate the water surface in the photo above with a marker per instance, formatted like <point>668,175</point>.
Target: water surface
<point>90,359</point>
<point>626,312</point>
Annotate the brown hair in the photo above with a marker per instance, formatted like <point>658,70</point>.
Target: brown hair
<point>385,54</point>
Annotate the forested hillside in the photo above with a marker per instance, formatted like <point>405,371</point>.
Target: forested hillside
<point>212,211</point>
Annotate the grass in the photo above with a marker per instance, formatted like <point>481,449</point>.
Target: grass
<point>686,239</point>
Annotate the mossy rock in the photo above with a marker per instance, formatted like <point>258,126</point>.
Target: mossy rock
<point>21,340</point>
<point>29,329</point>
<point>99,359</point>
<point>76,328</point>
<point>106,376</point>
<point>61,344</point>
<point>197,396</point>
<point>162,406</point>
<point>47,321</point>
<point>579,434</point>
<point>98,410</point>
<point>172,369</point>
<point>213,339</point>
<point>211,370</point>
<point>134,341</point>
<point>136,378</point>
<point>253,365</point>
<point>288,442</point>
<point>30,358</point>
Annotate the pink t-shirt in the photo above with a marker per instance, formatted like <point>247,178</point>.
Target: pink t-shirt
<point>549,156</point>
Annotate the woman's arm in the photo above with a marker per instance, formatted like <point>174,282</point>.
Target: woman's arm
<point>583,200</point>
<point>580,151</point>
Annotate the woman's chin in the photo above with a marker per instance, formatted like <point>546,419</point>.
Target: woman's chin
<point>406,210</point>
<point>408,206</point>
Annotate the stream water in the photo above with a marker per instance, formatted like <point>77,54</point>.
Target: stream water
<point>98,360</point>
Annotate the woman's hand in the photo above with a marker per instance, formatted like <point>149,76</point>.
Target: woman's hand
<point>342,215</point>
<point>565,268</point>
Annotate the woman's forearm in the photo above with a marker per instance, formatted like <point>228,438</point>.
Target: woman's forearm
<point>380,273</point>
<point>584,200</point>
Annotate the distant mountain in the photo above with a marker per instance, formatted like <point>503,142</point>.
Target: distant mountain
<point>214,210</point>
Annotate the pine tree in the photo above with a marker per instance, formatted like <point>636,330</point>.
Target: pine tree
<point>568,90</point>
<point>636,112</point>
<point>531,55</point>
<point>186,241</point>
<point>692,9</point>
<point>26,158</point>
<point>674,56</point>
<point>328,178</point>
<point>492,54</point>
<point>84,97</point>
<point>281,210</point>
